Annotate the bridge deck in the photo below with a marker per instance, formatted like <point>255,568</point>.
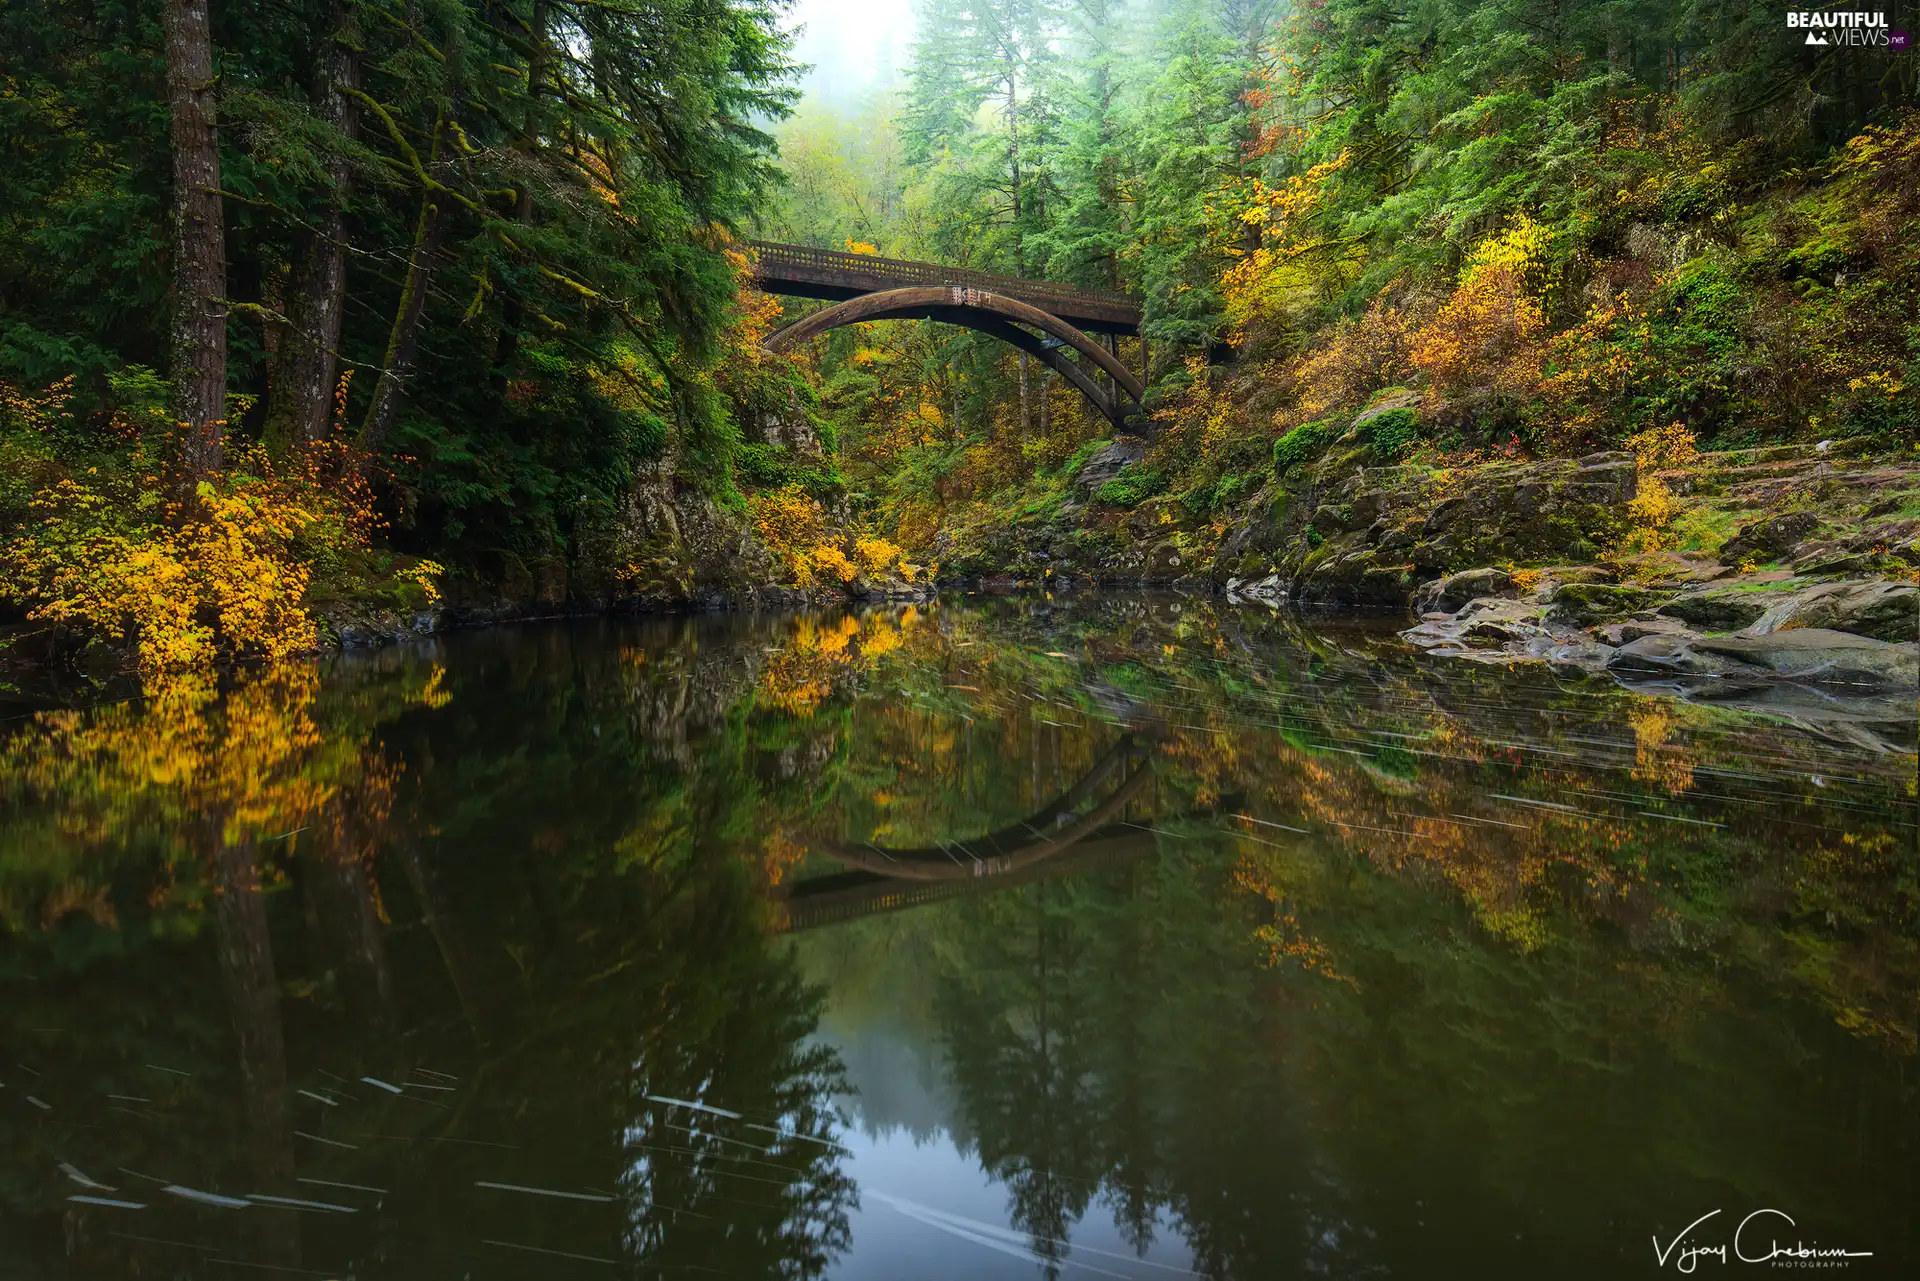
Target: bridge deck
<point>845,896</point>
<point>800,272</point>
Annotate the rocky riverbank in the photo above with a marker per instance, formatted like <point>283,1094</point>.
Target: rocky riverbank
<point>1342,533</point>
<point>1832,650</point>
<point>1783,575</point>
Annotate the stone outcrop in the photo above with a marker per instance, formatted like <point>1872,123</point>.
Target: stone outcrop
<point>1107,462</point>
<point>1851,649</point>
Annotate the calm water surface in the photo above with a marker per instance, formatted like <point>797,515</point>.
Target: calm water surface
<point>1001,938</point>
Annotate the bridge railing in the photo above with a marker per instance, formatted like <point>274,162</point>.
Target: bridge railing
<point>773,258</point>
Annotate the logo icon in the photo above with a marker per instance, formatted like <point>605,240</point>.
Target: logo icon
<point>1814,37</point>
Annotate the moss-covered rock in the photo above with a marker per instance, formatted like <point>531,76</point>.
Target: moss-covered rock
<point>1584,604</point>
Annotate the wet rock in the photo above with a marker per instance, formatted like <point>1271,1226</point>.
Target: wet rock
<point>1483,622</point>
<point>1587,603</point>
<point>1452,593</point>
<point>1664,654</point>
<point>1270,590</point>
<point>1718,609</point>
<point>1360,578</point>
<point>1815,653</point>
<point>1618,634</point>
<point>1805,654</point>
<point>1879,609</point>
<point>1770,537</point>
<point>1164,562</point>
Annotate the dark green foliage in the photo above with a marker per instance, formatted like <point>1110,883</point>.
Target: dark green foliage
<point>586,161</point>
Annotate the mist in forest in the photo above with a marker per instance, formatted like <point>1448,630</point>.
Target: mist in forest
<point>851,47</point>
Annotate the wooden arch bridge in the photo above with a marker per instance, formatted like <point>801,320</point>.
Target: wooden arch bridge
<point>1057,837</point>
<point>1049,321</point>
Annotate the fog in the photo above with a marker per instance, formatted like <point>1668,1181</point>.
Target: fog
<point>854,45</point>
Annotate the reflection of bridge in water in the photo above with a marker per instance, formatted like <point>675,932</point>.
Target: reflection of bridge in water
<point>1054,840</point>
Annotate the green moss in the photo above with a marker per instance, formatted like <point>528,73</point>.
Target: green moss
<point>1591,602</point>
<point>1300,444</point>
<point>1136,483</point>
<point>1705,528</point>
<point>1391,434</point>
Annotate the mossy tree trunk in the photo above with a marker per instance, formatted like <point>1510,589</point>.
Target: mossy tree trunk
<point>403,340</point>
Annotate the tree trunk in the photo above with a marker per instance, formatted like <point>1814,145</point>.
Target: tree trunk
<point>302,377</point>
<point>404,338</point>
<point>1026,411</point>
<point>199,339</point>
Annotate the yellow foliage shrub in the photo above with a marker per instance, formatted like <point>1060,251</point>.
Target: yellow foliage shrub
<point>876,555</point>
<point>1486,334</point>
<point>799,531</point>
<point>1660,448</point>
<point>222,570</point>
<point>1349,362</point>
<point>1588,373</point>
<point>1281,269</point>
<point>1650,518</point>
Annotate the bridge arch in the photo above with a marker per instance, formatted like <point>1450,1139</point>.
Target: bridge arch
<point>1054,829</point>
<point>1008,319</point>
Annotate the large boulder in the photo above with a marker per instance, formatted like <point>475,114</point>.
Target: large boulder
<point>1589,603</point>
<point>1770,537</point>
<point>1724,609</point>
<point>1815,653</point>
<point>1449,594</point>
<point>1857,664</point>
<point>1883,610</point>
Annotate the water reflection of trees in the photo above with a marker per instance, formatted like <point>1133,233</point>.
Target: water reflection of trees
<point>540,870</point>
<point>1114,1046</point>
<point>521,881</point>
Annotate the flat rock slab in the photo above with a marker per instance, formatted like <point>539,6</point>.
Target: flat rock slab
<point>1803,654</point>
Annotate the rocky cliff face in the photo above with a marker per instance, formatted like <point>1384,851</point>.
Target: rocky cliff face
<point>1346,535</point>
<point>1342,533</point>
<point>1371,537</point>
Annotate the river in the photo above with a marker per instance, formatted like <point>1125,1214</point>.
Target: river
<point>1127,936</point>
